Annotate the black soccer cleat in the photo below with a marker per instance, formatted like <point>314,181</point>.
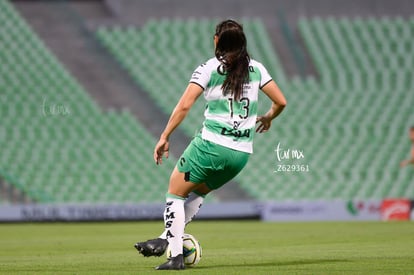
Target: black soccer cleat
<point>173,263</point>
<point>154,247</point>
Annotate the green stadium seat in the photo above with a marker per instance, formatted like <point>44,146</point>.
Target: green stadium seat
<point>349,121</point>
<point>84,156</point>
<point>345,126</point>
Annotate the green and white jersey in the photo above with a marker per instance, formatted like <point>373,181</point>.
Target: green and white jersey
<point>229,122</point>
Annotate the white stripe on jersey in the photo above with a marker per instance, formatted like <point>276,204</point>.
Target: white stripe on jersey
<point>239,115</point>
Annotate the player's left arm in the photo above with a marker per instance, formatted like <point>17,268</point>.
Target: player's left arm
<point>190,95</point>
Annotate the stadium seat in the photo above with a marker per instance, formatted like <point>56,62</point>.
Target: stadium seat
<point>350,121</point>
<point>58,145</point>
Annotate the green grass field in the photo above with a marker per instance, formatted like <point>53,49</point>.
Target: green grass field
<point>229,247</point>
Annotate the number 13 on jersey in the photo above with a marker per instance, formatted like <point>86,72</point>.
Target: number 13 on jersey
<point>241,106</point>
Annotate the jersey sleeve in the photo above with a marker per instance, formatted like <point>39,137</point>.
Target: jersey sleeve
<point>265,76</point>
<point>200,76</point>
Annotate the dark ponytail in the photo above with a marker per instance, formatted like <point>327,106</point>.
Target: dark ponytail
<point>231,50</point>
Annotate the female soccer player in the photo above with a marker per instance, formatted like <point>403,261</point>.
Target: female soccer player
<point>230,82</point>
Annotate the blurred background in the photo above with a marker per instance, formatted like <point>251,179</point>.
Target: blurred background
<point>86,88</point>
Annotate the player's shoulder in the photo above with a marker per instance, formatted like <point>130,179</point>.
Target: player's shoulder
<point>256,63</point>
<point>210,63</point>
<point>203,72</point>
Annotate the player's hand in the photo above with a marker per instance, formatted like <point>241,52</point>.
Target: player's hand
<point>264,124</point>
<point>161,149</point>
<point>404,163</point>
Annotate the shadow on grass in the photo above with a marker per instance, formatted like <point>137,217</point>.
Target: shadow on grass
<point>276,263</point>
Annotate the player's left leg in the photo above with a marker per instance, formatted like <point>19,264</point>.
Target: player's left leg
<point>175,220</point>
<point>193,203</point>
<point>174,217</point>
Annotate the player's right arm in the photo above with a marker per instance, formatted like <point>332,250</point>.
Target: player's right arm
<point>408,161</point>
<point>278,104</point>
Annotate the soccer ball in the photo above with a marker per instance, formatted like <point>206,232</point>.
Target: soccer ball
<point>191,250</point>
